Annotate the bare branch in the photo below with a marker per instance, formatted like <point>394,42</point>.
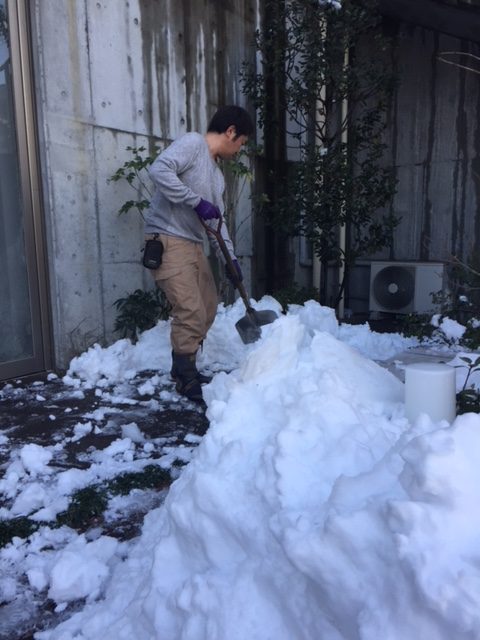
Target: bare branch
<point>455,260</point>
<point>457,64</point>
<point>476,175</point>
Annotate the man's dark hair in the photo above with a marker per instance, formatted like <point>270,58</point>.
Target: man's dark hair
<point>231,115</point>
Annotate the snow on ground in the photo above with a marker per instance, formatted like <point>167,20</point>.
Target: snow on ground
<point>311,508</point>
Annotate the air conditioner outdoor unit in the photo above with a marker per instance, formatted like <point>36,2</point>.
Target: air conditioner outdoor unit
<point>405,287</point>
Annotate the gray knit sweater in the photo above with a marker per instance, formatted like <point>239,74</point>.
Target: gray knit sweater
<point>183,174</point>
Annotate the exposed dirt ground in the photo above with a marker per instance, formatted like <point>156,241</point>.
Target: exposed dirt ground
<point>46,412</point>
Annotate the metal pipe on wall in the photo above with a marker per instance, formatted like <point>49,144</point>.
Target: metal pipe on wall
<point>342,239</point>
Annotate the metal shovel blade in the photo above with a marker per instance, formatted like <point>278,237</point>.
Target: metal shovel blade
<point>249,326</point>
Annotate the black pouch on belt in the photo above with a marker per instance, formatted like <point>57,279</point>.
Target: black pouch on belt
<point>152,253</point>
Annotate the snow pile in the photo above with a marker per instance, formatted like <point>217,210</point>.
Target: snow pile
<point>311,509</point>
<point>35,459</point>
<point>43,499</point>
<point>222,350</point>
<point>29,464</point>
<point>336,4</point>
<point>71,579</point>
<point>449,329</point>
<point>69,565</point>
<point>123,360</point>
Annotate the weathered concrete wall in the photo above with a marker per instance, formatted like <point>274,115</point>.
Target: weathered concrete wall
<point>112,74</point>
<point>434,140</point>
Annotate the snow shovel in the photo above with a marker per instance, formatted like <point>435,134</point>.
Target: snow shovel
<point>249,327</point>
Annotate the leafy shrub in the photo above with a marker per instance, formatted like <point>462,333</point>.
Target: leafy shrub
<point>295,294</point>
<point>471,337</point>
<point>417,325</point>
<point>139,311</point>
<point>468,398</point>
<point>460,301</point>
<point>134,172</point>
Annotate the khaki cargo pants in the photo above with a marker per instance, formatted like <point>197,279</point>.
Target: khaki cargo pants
<point>186,279</point>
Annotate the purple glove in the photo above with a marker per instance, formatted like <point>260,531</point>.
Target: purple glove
<point>238,277</point>
<point>206,210</point>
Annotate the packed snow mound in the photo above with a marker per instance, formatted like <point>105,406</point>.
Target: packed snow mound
<point>311,509</point>
<point>223,349</point>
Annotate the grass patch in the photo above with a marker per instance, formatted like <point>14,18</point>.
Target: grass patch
<point>16,528</point>
<point>88,505</point>
<point>152,477</point>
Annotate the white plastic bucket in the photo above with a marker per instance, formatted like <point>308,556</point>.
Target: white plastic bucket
<point>430,388</point>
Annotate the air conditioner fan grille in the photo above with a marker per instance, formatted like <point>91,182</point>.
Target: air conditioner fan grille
<point>394,287</point>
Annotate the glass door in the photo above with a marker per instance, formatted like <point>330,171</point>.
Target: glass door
<point>23,310</point>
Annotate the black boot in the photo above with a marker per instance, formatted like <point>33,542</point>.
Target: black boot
<point>174,375</point>
<point>186,376</point>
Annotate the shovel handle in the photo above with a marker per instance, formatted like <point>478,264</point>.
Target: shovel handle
<point>228,259</point>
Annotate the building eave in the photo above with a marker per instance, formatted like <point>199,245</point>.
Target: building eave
<point>461,21</point>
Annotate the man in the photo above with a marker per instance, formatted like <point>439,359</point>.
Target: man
<point>188,195</point>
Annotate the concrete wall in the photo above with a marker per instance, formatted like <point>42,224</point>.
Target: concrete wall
<point>432,139</point>
<point>434,135</point>
<point>112,74</point>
